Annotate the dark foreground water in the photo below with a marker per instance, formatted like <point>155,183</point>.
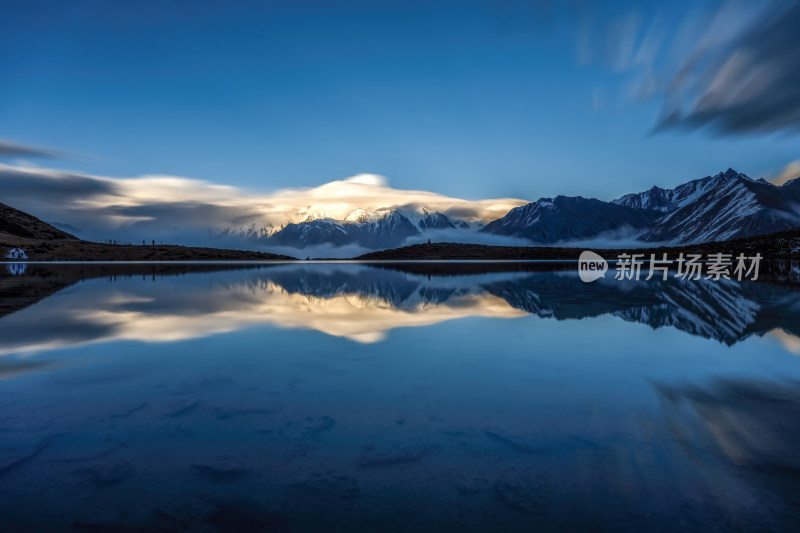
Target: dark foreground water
<point>424,397</point>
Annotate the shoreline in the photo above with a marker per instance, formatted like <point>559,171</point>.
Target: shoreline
<point>780,245</point>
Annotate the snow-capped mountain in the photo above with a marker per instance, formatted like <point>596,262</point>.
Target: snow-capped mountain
<point>248,231</point>
<point>657,199</point>
<point>371,229</point>
<point>424,219</point>
<point>726,206</point>
<point>666,200</point>
<point>563,219</point>
<point>381,228</point>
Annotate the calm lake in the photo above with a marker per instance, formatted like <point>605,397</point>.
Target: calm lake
<point>394,397</point>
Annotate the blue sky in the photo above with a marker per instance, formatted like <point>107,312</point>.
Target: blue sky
<point>474,99</point>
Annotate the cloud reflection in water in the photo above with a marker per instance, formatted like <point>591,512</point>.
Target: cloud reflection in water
<point>364,302</point>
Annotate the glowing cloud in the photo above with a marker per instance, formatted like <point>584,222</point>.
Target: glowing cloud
<point>158,204</point>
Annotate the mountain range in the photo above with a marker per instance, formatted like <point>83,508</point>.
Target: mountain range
<point>370,229</point>
<point>728,205</point>
<point>725,206</point>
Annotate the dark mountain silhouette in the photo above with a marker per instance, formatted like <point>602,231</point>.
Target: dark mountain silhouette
<point>563,219</point>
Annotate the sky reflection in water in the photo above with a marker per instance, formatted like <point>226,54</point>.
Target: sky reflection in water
<point>285,397</point>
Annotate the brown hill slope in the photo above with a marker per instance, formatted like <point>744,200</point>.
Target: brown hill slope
<point>43,242</point>
<point>20,224</point>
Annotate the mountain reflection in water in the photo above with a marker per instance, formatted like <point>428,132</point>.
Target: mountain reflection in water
<point>363,302</point>
<point>395,397</point>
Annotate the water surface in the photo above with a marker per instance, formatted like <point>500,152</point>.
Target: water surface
<point>416,397</point>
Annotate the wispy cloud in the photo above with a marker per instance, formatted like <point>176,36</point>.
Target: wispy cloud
<point>741,77</point>
<point>10,149</point>
<point>728,65</point>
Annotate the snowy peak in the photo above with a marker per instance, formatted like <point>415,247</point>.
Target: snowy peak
<point>248,230</point>
<point>371,229</point>
<point>317,215</point>
<point>726,206</point>
<point>420,217</point>
<point>666,200</point>
<point>657,199</point>
<point>730,173</point>
<point>362,216</point>
<point>425,219</point>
